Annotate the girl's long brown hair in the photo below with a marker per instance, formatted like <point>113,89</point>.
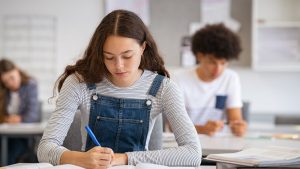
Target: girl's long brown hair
<point>91,67</point>
<point>6,66</point>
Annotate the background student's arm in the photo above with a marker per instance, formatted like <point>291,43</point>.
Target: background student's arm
<point>188,152</point>
<point>234,103</point>
<point>31,113</point>
<point>237,125</point>
<point>13,119</point>
<point>210,128</point>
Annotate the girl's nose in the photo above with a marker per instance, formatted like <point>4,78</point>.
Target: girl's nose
<point>119,63</point>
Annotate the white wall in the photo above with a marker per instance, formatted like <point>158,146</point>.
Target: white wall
<point>271,92</point>
<point>76,20</point>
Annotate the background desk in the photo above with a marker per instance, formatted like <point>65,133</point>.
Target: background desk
<point>22,130</point>
<point>225,142</point>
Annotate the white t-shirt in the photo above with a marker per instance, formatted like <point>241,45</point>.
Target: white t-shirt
<point>13,106</point>
<point>209,100</point>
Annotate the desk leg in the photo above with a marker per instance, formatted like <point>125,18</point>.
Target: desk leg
<point>4,153</point>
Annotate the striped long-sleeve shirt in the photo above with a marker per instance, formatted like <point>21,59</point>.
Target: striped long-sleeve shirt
<point>169,100</point>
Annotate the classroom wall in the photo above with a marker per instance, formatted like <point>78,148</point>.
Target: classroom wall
<point>172,20</point>
<point>76,21</point>
<point>268,92</point>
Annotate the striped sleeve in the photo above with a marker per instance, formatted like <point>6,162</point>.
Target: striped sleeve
<point>188,152</point>
<point>50,148</point>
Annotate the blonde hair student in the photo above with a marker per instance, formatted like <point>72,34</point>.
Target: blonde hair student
<point>120,87</point>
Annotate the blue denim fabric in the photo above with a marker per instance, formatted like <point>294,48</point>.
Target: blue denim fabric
<point>120,123</point>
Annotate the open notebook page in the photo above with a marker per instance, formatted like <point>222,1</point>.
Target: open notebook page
<point>41,166</point>
<point>28,166</point>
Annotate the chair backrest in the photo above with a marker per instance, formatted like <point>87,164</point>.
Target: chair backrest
<point>155,142</point>
<point>40,111</point>
<point>73,139</point>
<point>246,111</point>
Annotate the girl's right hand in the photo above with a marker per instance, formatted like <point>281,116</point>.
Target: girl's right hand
<point>95,158</point>
<point>99,158</point>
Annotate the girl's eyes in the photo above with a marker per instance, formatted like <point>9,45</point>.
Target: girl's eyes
<point>109,57</point>
<point>127,56</point>
<point>112,57</point>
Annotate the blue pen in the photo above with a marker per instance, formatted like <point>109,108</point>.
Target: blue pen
<point>92,135</point>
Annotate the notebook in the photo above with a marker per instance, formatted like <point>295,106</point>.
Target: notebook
<point>40,166</point>
<point>148,166</point>
<point>69,166</point>
<point>260,157</point>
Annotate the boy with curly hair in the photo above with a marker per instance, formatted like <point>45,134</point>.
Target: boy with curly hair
<point>211,90</point>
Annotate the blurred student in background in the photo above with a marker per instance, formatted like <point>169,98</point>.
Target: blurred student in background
<point>211,90</point>
<point>18,103</point>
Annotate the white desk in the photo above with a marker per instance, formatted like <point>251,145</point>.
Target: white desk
<point>22,130</point>
<point>257,136</point>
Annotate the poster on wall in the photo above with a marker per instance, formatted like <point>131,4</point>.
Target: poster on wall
<point>140,7</point>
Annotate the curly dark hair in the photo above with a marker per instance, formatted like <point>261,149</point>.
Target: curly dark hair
<point>217,40</point>
<point>122,23</point>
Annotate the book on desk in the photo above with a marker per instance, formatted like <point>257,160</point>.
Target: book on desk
<point>40,166</point>
<point>260,157</point>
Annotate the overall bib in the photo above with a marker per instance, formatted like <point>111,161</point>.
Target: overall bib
<point>120,123</point>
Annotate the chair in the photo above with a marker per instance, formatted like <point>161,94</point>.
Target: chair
<point>287,120</point>
<point>246,111</point>
<point>40,111</point>
<point>155,142</point>
<point>73,139</point>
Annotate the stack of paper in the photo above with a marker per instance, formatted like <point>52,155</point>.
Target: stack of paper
<point>262,157</point>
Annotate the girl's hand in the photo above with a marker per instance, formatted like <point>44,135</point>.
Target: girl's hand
<point>99,157</point>
<point>95,158</point>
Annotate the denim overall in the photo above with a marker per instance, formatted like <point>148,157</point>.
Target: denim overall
<point>119,123</point>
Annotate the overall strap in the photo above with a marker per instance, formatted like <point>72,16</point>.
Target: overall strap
<point>155,85</point>
<point>91,86</point>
